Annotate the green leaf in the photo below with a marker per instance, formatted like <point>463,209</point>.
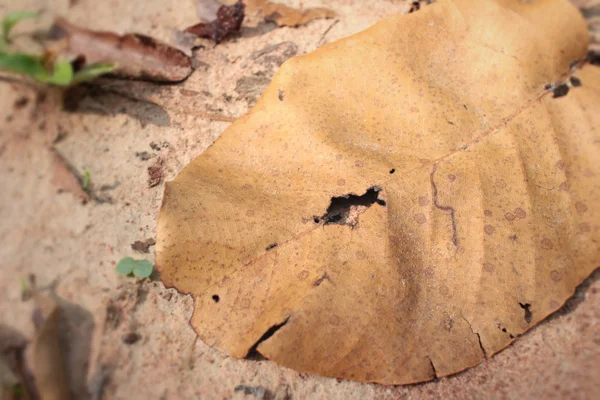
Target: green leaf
<point>62,74</point>
<point>24,64</point>
<point>92,71</point>
<point>33,66</point>
<point>125,266</point>
<point>143,268</point>
<point>12,19</point>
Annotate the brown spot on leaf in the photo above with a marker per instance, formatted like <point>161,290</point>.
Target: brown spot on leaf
<point>488,213</point>
<point>581,207</point>
<point>451,177</point>
<point>584,227</point>
<point>520,213</point>
<point>341,182</point>
<point>489,267</point>
<point>547,244</point>
<point>510,216</point>
<point>556,276</point>
<point>420,218</point>
<point>361,255</point>
<point>423,201</point>
<point>489,229</point>
<point>303,275</point>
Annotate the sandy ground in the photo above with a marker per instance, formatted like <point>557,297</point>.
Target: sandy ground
<point>73,247</point>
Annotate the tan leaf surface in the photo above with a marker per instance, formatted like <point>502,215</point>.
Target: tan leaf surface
<point>284,15</point>
<point>478,216</point>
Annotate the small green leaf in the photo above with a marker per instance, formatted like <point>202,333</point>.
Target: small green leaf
<point>143,268</point>
<point>92,71</point>
<point>62,74</point>
<point>12,19</point>
<point>33,66</point>
<point>22,63</point>
<point>125,266</point>
<point>86,180</point>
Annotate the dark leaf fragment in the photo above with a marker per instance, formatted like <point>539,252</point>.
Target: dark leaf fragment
<point>143,246</point>
<point>229,19</point>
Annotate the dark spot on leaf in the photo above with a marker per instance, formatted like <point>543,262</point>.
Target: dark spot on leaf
<point>271,246</point>
<point>392,170</point>
<point>280,95</point>
<point>575,81</point>
<point>216,298</point>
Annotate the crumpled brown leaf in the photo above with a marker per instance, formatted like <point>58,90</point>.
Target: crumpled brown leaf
<point>229,19</point>
<point>399,204</point>
<point>283,15</point>
<point>136,56</point>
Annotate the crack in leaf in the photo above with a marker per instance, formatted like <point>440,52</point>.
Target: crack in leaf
<point>478,338</point>
<point>253,353</point>
<point>435,375</point>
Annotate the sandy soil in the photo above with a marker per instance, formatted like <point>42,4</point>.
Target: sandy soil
<point>73,247</point>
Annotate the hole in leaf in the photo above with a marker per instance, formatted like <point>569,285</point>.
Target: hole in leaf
<point>344,210</point>
<point>560,91</point>
<point>216,298</point>
<point>527,308</point>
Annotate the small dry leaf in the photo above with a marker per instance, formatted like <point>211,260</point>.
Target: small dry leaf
<point>143,246</point>
<point>399,204</point>
<point>155,172</point>
<point>136,56</point>
<point>283,15</point>
<point>229,19</point>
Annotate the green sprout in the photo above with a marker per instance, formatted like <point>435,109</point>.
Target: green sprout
<point>86,180</point>
<point>139,268</point>
<point>60,73</point>
<point>11,20</point>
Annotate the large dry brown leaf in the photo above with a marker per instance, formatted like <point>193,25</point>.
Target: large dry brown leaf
<point>479,208</point>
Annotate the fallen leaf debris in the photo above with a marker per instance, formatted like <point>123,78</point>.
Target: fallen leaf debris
<point>229,20</point>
